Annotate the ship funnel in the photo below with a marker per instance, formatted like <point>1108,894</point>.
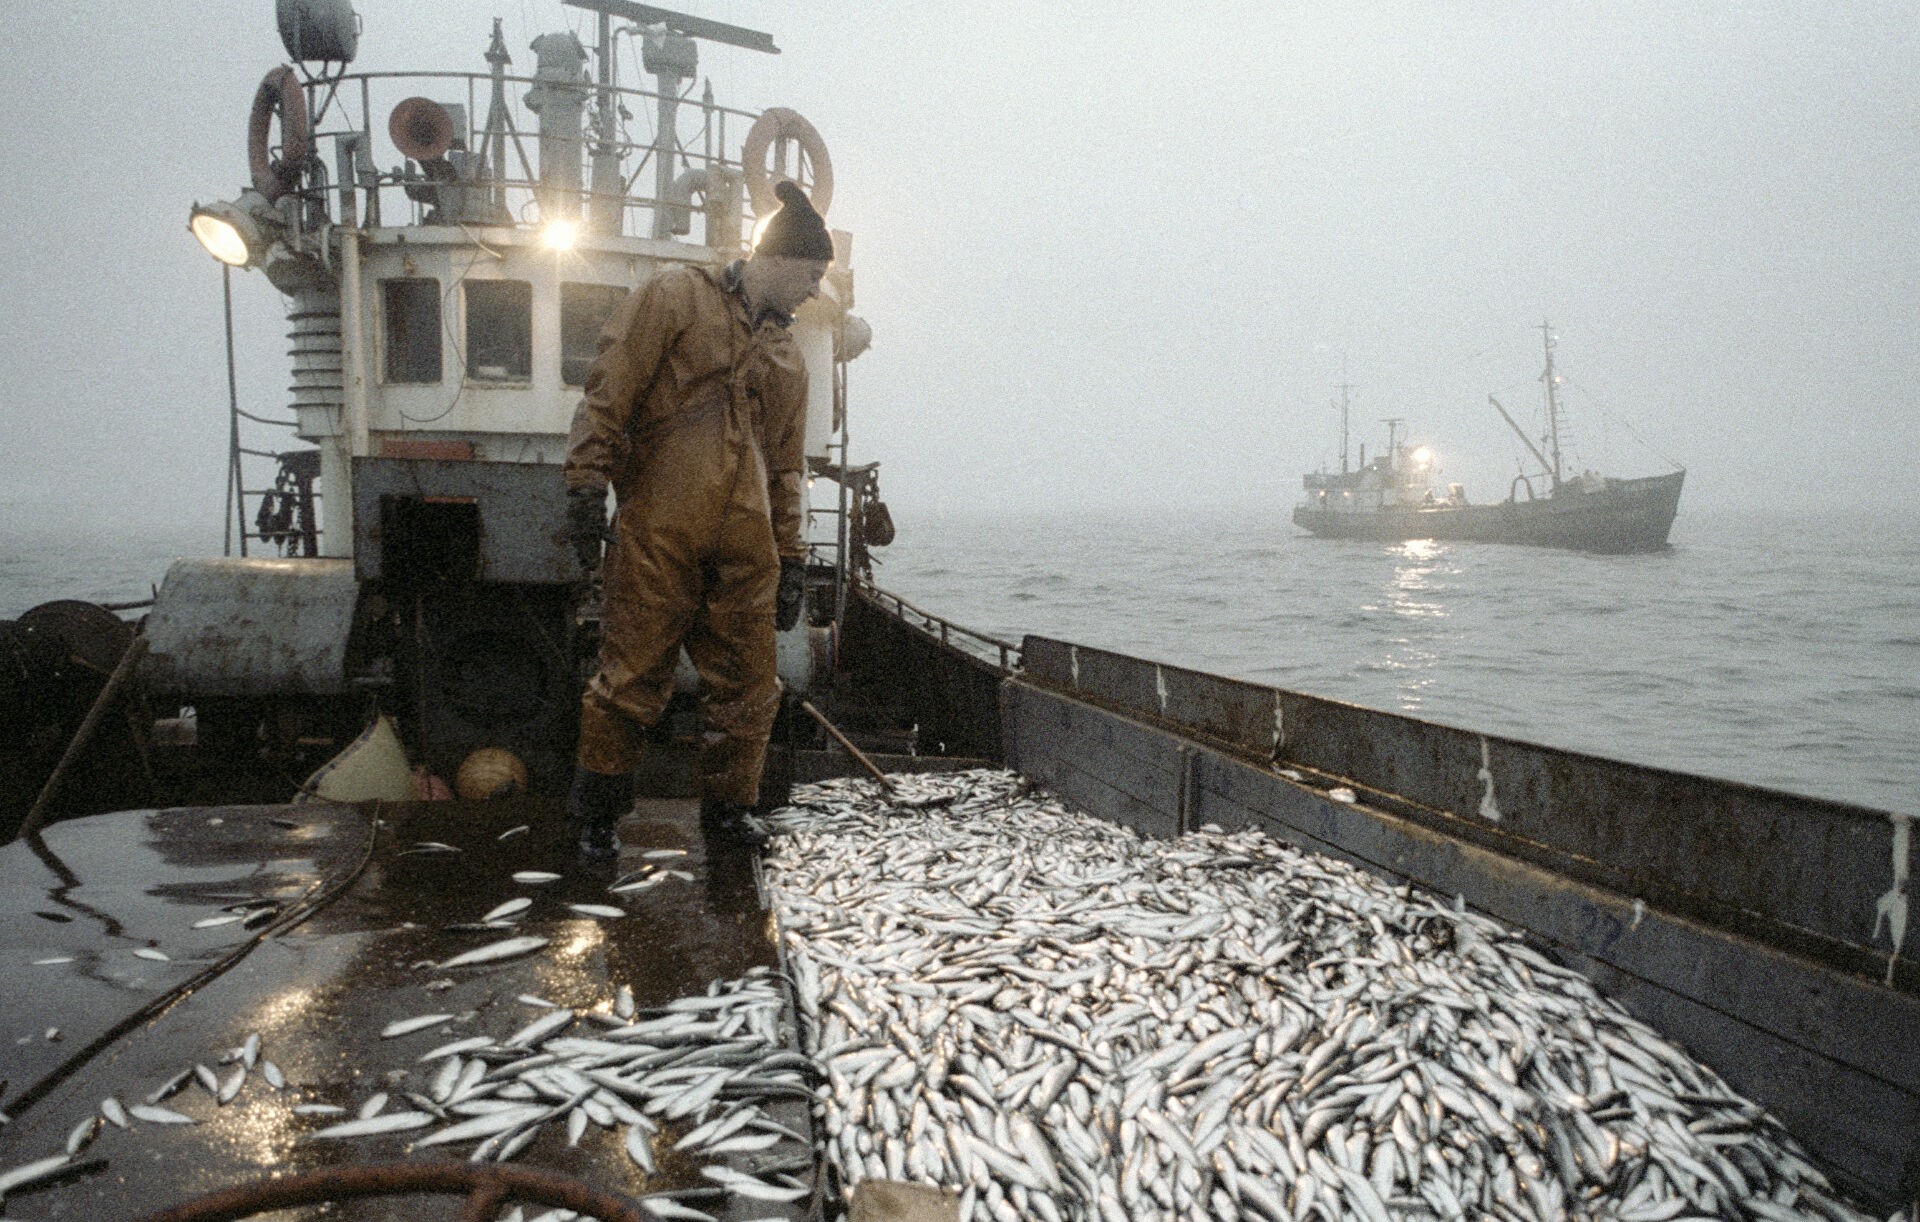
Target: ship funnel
<point>560,99</point>
<point>319,30</point>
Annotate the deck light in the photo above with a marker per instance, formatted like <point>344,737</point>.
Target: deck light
<point>234,232</point>
<point>1422,456</point>
<point>560,235</point>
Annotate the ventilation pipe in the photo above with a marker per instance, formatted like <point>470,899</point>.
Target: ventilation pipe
<point>560,99</point>
<point>722,190</point>
<point>672,59</point>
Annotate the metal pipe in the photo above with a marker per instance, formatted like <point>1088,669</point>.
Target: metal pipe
<point>135,651</point>
<point>234,493</point>
<point>358,428</point>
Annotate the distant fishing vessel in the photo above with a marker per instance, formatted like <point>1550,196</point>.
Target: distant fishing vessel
<point>1393,497</point>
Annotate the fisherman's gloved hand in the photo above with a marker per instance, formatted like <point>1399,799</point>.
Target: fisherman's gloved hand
<point>786,600</point>
<point>587,523</point>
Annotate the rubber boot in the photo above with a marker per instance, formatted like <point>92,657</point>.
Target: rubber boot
<point>594,804</point>
<point>728,825</point>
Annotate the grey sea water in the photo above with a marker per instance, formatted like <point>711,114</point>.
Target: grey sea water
<point>1777,651</point>
<point>1781,651</point>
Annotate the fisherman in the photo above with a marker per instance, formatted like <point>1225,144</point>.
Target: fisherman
<point>695,415</point>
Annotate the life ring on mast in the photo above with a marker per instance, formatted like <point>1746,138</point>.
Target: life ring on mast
<point>778,125</point>
<point>280,91</point>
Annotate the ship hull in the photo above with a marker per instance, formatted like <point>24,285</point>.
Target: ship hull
<point>1633,515</point>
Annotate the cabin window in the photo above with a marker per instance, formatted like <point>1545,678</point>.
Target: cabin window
<point>412,310</point>
<point>584,309</point>
<point>499,331</point>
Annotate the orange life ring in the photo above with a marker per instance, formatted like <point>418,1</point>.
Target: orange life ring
<point>279,91</point>
<point>779,123</point>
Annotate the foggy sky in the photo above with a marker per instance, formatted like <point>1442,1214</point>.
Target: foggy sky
<point>1114,256</point>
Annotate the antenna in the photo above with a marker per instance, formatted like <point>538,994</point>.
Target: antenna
<point>680,23</point>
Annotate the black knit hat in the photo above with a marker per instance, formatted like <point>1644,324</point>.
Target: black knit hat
<point>796,231</point>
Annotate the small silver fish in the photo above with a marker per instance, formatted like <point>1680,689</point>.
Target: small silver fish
<point>507,949</point>
<point>318,1109</point>
<point>250,1050</point>
<point>158,1115</point>
<point>539,1029</point>
<point>667,1207</point>
<point>82,1135</point>
<point>485,1126</point>
<point>472,1043</point>
<point>214,922</point>
<point>111,1109</point>
<point>747,1186</point>
<point>511,832</point>
<point>172,1086</point>
<point>663,854</point>
<point>407,1026</point>
<point>27,1173</point>
<point>391,1122</point>
<point>534,878</point>
<point>53,959</point>
<point>508,909</point>
<point>272,1074</point>
<point>373,1106</point>
<point>154,953</point>
<point>231,1087</point>
<point>606,912</point>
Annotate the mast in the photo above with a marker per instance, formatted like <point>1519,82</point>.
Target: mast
<point>1553,400</point>
<point>1343,388</point>
<point>1393,442</point>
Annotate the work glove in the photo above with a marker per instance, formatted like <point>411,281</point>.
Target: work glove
<point>786,600</point>
<point>587,524</point>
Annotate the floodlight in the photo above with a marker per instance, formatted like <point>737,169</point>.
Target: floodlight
<point>235,232</point>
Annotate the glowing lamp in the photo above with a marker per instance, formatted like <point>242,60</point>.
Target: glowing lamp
<point>221,238</point>
<point>560,235</point>
<point>235,232</point>
<point>1422,456</point>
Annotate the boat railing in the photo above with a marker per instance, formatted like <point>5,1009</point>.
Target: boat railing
<point>1005,654</point>
<point>503,177</point>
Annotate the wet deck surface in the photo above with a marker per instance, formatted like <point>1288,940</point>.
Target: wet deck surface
<point>354,946</point>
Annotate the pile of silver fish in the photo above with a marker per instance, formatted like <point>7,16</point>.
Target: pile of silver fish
<point>690,1077</point>
<point>1058,1019</point>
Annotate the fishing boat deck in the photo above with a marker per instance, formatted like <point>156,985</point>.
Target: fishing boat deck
<point>353,946</point>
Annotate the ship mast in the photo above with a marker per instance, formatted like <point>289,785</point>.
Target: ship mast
<point>1343,388</point>
<point>1553,400</point>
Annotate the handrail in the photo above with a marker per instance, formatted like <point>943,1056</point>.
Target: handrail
<point>943,629</point>
<point>335,118</point>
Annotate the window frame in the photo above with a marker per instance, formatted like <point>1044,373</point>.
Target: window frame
<point>390,348</point>
<point>468,363</point>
